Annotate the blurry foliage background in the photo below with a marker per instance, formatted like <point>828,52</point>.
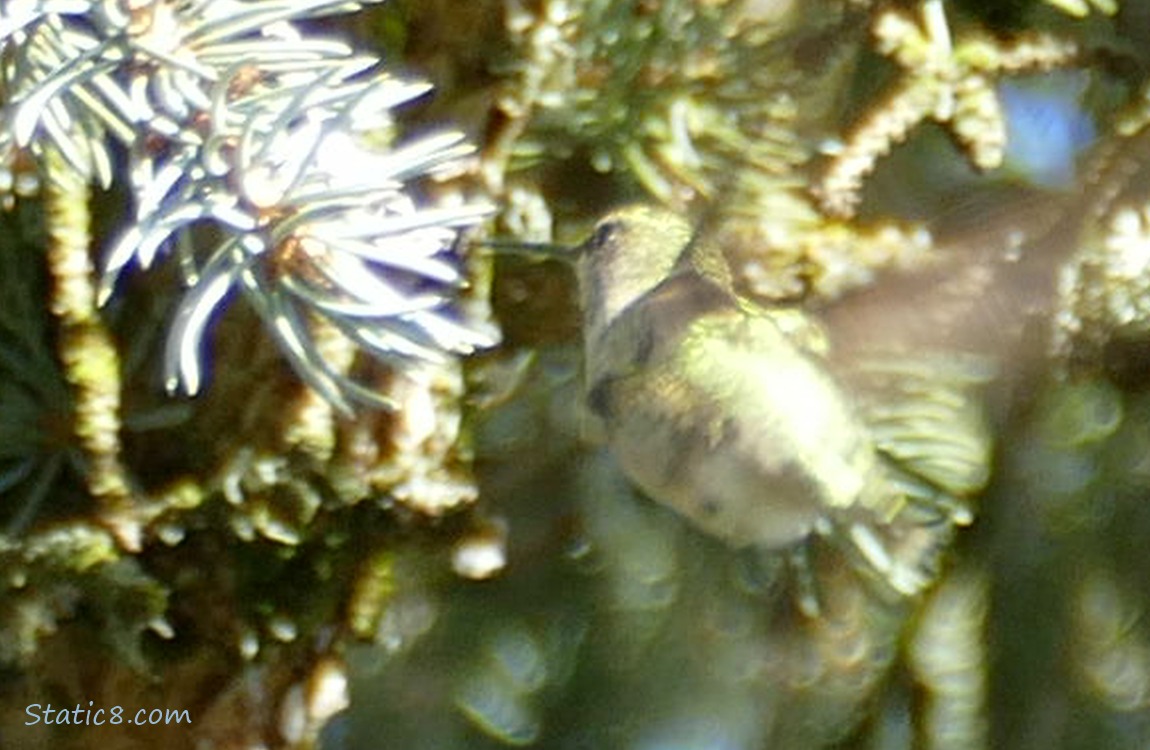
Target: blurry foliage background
<point>971,176</point>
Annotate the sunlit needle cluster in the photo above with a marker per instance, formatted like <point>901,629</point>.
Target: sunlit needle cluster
<point>232,117</point>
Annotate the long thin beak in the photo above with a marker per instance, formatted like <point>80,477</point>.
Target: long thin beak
<point>534,250</point>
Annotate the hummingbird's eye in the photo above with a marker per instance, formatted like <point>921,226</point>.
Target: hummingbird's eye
<point>605,232</point>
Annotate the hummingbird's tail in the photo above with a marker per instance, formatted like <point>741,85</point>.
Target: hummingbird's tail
<point>926,416</point>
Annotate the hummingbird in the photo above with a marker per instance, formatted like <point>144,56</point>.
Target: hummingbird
<point>738,417</point>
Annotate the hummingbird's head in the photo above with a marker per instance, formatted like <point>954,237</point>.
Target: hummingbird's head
<point>631,251</point>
